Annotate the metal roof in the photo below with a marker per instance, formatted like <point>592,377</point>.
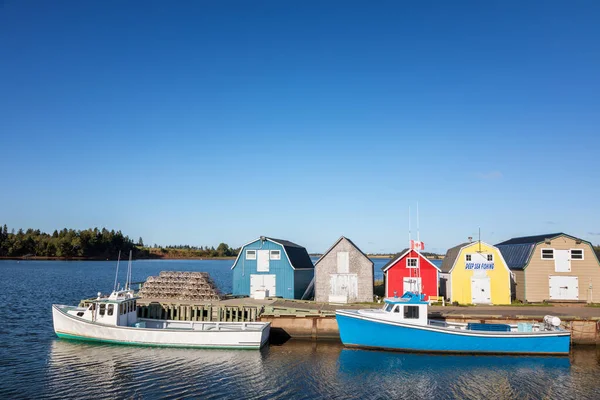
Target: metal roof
<point>531,239</point>
<point>297,254</point>
<point>451,256</point>
<point>516,255</point>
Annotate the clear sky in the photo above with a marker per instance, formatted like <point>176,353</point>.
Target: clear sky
<point>201,122</point>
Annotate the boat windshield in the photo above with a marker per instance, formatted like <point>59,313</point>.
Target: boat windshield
<point>388,307</point>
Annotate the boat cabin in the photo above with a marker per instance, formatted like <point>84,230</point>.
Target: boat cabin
<point>411,308</point>
<point>118,309</point>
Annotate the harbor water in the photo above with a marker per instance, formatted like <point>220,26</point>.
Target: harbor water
<point>35,364</point>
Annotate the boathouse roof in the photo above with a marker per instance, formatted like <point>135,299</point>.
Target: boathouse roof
<point>298,256</point>
<point>400,256</point>
<point>451,256</point>
<point>517,251</point>
<point>337,242</point>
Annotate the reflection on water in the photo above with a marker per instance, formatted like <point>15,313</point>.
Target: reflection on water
<point>301,369</point>
<point>35,364</point>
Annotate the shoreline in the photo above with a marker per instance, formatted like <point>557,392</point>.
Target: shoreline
<point>44,258</point>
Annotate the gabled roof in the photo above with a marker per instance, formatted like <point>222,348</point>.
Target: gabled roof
<point>336,243</point>
<point>451,256</point>
<point>296,254</point>
<point>517,251</point>
<point>394,260</point>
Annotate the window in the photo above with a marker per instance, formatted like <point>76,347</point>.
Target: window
<point>412,262</point>
<point>576,254</point>
<point>121,309</point>
<point>548,254</point>
<point>80,314</point>
<point>411,312</point>
<point>111,309</point>
<point>275,255</point>
<point>468,257</point>
<point>490,257</point>
<point>397,309</point>
<point>388,307</point>
<point>102,309</point>
<point>250,254</point>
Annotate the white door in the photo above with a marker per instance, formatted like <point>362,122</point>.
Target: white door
<point>262,261</point>
<point>411,285</point>
<point>562,261</point>
<point>263,282</point>
<point>343,288</point>
<point>564,287</point>
<point>480,291</point>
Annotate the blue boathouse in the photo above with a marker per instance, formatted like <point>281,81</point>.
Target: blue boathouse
<point>281,267</point>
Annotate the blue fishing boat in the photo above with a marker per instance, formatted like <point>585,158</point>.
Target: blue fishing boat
<point>403,324</point>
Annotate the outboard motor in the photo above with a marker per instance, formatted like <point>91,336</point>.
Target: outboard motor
<point>551,323</point>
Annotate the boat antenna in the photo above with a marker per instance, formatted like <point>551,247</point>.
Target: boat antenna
<point>418,237</point>
<point>409,235</point>
<point>128,282</point>
<point>117,273</point>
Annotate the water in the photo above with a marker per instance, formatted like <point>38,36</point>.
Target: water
<point>35,364</point>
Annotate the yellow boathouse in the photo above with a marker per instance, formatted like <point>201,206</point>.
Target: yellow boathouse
<point>475,273</point>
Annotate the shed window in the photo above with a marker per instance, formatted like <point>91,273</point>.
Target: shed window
<point>250,254</point>
<point>412,262</point>
<point>111,309</point>
<point>468,257</point>
<point>576,254</point>
<point>275,255</point>
<point>411,312</point>
<point>548,254</point>
<point>490,257</point>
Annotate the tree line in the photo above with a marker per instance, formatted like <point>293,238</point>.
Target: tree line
<point>94,243</point>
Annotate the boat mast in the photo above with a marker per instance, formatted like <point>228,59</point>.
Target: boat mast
<point>117,273</point>
<point>128,282</point>
<point>418,258</point>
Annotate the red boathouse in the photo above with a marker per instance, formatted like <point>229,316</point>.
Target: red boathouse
<point>411,272</point>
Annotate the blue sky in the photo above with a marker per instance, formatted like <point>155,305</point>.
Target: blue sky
<point>202,122</point>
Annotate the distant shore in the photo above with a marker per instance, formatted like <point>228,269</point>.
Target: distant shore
<point>42,258</point>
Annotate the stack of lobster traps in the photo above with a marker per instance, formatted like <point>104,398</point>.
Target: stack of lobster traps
<point>180,285</point>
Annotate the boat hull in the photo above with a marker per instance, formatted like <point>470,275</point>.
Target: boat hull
<point>227,337</point>
<point>357,330</point>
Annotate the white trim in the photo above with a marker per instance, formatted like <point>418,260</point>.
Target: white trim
<point>278,252</point>
<point>578,259</point>
<point>247,255</point>
<point>542,253</point>
<point>412,258</point>
<point>266,240</point>
<point>419,256</point>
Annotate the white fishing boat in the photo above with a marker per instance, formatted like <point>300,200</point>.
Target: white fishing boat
<point>113,319</point>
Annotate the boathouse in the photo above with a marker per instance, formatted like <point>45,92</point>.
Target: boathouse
<point>278,267</point>
<point>552,267</point>
<point>410,271</point>
<point>344,274</point>
<point>475,273</point>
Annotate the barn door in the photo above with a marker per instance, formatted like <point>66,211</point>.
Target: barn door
<point>480,291</point>
<point>564,288</point>
<point>262,282</point>
<point>343,288</point>
<point>411,285</point>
